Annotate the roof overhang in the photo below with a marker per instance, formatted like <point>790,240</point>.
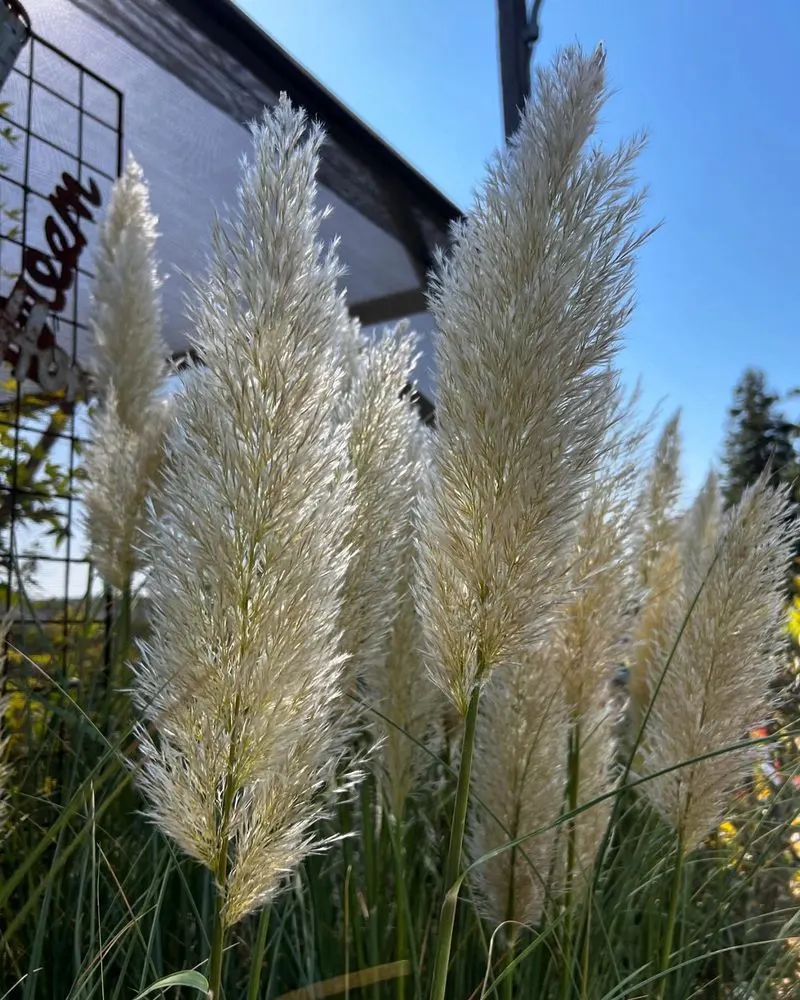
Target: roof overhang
<point>192,75</point>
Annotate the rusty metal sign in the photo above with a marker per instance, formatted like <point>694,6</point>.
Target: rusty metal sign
<point>26,341</point>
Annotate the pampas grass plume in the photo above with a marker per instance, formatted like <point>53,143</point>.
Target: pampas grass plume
<point>530,304</point>
<point>721,656</point>
<point>130,415</point>
<point>242,679</point>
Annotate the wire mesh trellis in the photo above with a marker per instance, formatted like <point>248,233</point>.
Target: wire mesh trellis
<point>59,119</point>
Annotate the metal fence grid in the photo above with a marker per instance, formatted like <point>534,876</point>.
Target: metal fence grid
<point>65,118</point>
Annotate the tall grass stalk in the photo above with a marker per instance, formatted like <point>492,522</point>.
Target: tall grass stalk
<point>447,919</point>
<point>672,916</point>
<point>259,949</point>
<point>220,871</point>
<point>573,787</point>
<point>403,945</point>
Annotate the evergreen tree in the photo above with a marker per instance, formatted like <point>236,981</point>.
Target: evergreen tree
<point>759,436</point>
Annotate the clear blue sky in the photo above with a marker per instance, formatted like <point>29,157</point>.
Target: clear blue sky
<point>716,85</point>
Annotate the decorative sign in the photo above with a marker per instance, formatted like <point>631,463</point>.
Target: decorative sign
<point>26,341</point>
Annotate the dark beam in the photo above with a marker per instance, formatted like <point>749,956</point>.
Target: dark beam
<point>386,309</point>
<point>390,307</point>
<point>408,229</point>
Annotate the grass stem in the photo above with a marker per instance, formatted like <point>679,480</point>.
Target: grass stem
<point>669,933</point>
<point>221,876</point>
<point>447,918</point>
<point>254,984</point>
<point>573,784</point>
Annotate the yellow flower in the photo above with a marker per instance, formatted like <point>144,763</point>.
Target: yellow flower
<point>793,615</point>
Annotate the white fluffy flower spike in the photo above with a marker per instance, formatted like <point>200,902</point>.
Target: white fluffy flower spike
<point>717,686</point>
<point>242,678</point>
<point>129,361</point>
<point>530,305</point>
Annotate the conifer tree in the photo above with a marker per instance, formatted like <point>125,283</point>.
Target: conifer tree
<point>759,436</point>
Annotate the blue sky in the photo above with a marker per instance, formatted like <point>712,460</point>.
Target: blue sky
<point>715,84</point>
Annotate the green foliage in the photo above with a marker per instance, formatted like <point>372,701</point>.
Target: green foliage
<point>95,902</point>
<point>190,978</point>
<point>759,437</point>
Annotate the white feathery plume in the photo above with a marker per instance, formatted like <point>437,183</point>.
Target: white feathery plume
<point>381,427</point>
<point>530,305</point>
<point>400,687</point>
<point>589,637</point>
<point>659,500</point>
<point>657,560</point>
<point>594,764</point>
<point>699,533</point>
<point>122,465</point>
<point>564,687</point>
<point>379,622</point>
<point>129,355</point>
<point>242,678</point>
<point>129,418</point>
<point>717,685</point>
<point>587,643</point>
<point>519,773</point>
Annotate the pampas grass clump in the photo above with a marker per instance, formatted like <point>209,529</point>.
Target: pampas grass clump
<point>338,593</point>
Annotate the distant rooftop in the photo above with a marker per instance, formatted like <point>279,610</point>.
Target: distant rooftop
<point>192,74</point>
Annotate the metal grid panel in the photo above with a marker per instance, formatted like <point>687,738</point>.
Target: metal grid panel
<point>66,119</point>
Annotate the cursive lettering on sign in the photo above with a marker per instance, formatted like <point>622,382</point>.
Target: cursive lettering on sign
<point>26,341</point>
<point>68,201</point>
